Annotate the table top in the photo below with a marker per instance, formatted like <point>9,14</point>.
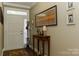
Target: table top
<point>41,37</point>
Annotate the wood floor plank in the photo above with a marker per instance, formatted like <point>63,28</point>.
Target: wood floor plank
<point>19,52</point>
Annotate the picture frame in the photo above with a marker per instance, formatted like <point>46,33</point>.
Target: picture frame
<point>47,17</point>
<point>1,16</point>
<point>70,6</point>
<point>70,18</point>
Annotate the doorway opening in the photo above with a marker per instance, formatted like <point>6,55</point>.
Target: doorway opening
<point>25,33</point>
<point>15,32</point>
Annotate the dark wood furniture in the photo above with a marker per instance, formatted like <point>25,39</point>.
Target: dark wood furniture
<point>43,39</point>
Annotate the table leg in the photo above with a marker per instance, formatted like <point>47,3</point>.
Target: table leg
<point>33,47</point>
<point>43,46</point>
<point>48,47</point>
<point>38,45</point>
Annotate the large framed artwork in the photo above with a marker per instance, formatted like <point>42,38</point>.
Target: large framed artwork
<point>1,15</point>
<point>47,17</point>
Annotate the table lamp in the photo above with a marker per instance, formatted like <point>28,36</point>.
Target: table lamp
<point>44,30</point>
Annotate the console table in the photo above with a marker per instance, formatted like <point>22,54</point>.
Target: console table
<point>43,39</point>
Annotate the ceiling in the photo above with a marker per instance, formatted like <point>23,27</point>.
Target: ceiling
<point>30,4</point>
<point>21,4</point>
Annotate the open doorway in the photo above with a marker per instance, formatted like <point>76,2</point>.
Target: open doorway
<point>25,33</point>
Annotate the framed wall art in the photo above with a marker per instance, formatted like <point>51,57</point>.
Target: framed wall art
<point>70,6</point>
<point>1,15</point>
<point>47,17</point>
<point>70,18</point>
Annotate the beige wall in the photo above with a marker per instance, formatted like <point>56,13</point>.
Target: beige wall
<point>64,38</point>
<point>1,35</point>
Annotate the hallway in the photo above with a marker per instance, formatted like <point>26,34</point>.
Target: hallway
<point>52,29</point>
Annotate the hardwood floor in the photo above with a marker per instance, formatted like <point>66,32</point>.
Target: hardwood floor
<point>19,52</point>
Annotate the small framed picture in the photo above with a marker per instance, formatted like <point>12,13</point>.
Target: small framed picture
<point>70,18</point>
<point>70,6</point>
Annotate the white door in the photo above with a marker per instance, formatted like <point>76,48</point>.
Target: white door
<point>14,28</point>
